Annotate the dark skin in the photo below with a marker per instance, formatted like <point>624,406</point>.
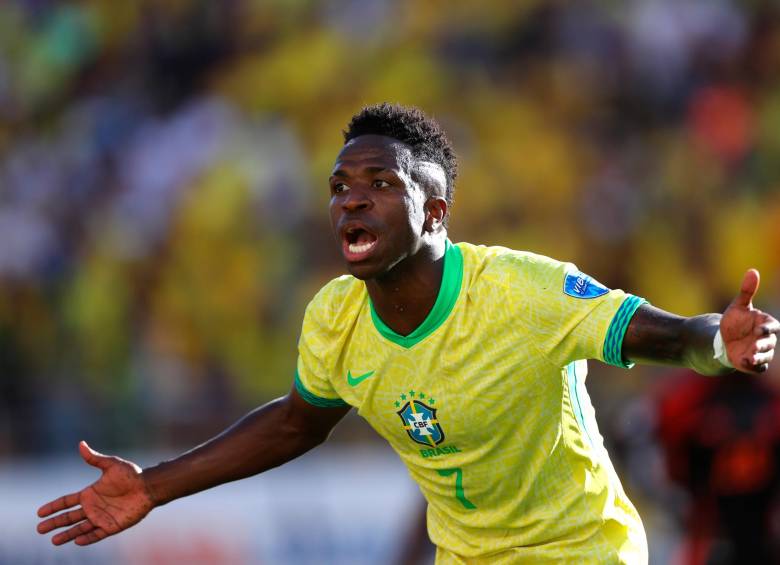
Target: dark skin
<point>387,211</point>
<point>124,494</point>
<point>373,186</point>
<point>749,335</point>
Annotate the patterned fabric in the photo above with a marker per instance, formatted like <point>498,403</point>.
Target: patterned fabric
<point>486,405</point>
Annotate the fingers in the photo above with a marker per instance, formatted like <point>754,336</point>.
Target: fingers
<point>93,457</point>
<point>62,520</point>
<point>79,530</point>
<point>67,501</point>
<point>770,326</point>
<point>91,537</point>
<point>748,289</point>
<point>758,363</point>
<point>83,533</point>
<point>762,358</point>
<point>763,353</point>
<point>766,344</point>
<point>760,349</point>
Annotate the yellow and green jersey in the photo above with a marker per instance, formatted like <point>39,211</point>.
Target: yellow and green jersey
<point>485,403</point>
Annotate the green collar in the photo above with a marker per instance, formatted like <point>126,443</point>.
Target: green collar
<point>448,294</point>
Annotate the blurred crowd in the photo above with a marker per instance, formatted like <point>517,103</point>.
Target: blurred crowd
<point>163,189</point>
<point>163,170</point>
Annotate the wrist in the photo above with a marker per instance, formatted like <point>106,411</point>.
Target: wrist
<point>719,351</point>
<point>153,478</point>
<point>698,342</point>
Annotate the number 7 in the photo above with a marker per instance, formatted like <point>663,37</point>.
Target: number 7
<point>459,494</point>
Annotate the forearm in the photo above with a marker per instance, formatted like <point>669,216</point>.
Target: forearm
<point>265,438</point>
<point>658,337</point>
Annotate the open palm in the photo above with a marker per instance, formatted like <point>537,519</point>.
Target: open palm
<point>116,501</point>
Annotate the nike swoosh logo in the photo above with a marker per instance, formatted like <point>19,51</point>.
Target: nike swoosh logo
<point>354,381</point>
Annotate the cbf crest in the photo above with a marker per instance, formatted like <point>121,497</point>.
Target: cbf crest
<point>419,419</point>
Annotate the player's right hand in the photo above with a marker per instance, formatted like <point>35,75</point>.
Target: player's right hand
<point>116,501</point>
<point>749,335</point>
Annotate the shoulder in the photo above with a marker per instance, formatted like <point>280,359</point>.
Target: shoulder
<point>512,269</point>
<point>338,300</point>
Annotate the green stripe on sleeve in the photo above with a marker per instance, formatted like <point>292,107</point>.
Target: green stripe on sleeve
<point>315,400</point>
<point>613,344</point>
<point>574,397</point>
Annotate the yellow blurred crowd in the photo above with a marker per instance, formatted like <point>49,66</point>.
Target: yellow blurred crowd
<point>163,167</point>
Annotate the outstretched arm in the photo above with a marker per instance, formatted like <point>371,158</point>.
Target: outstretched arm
<point>124,494</point>
<point>749,336</point>
<point>265,438</point>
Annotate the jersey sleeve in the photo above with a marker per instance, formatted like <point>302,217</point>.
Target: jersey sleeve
<point>576,317</point>
<point>312,374</point>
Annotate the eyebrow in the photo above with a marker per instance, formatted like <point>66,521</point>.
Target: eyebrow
<point>376,169</point>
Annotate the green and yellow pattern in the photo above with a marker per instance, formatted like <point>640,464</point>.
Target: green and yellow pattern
<point>520,474</point>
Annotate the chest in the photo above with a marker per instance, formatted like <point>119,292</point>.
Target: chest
<point>474,380</point>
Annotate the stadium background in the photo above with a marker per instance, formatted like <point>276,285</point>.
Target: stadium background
<point>163,222</point>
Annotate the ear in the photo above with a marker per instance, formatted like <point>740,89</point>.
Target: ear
<point>435,212</point>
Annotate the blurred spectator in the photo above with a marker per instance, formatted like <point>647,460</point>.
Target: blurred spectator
<point>163,165</point>
<point>721,439</point>
<point>163,194</point>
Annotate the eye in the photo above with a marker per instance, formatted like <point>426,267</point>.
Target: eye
<point>379,183</point>
<point>338,187</point>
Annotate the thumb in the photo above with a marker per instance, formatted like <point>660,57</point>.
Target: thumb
<point>748,289</point>
<point>93,457</point>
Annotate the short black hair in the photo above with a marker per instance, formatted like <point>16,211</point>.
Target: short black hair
<point>410,125</point>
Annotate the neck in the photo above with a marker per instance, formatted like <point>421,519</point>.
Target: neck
<point>404,297</point>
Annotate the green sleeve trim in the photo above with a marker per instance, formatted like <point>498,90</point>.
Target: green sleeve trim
<point>315,400</point>
<point>613,343</point>
<point>574,396</point>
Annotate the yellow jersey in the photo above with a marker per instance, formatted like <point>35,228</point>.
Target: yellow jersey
<point>485,404</point>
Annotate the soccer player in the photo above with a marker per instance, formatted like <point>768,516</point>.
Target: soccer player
<point>468,360</point>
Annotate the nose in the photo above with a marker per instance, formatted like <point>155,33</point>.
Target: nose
<point>356,199</point>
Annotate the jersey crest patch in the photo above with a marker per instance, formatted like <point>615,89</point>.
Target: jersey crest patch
<point>419,420</point>
<point>579,285</point>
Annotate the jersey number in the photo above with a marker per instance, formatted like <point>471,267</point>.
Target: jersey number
<point>459,494</point>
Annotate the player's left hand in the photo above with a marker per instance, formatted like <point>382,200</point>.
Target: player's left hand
<point>749,335</point>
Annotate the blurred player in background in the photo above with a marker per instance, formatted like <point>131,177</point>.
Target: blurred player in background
<point>721,439</point>
<point>468,360</point>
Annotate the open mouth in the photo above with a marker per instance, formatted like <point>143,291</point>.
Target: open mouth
<point>358,242</point>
